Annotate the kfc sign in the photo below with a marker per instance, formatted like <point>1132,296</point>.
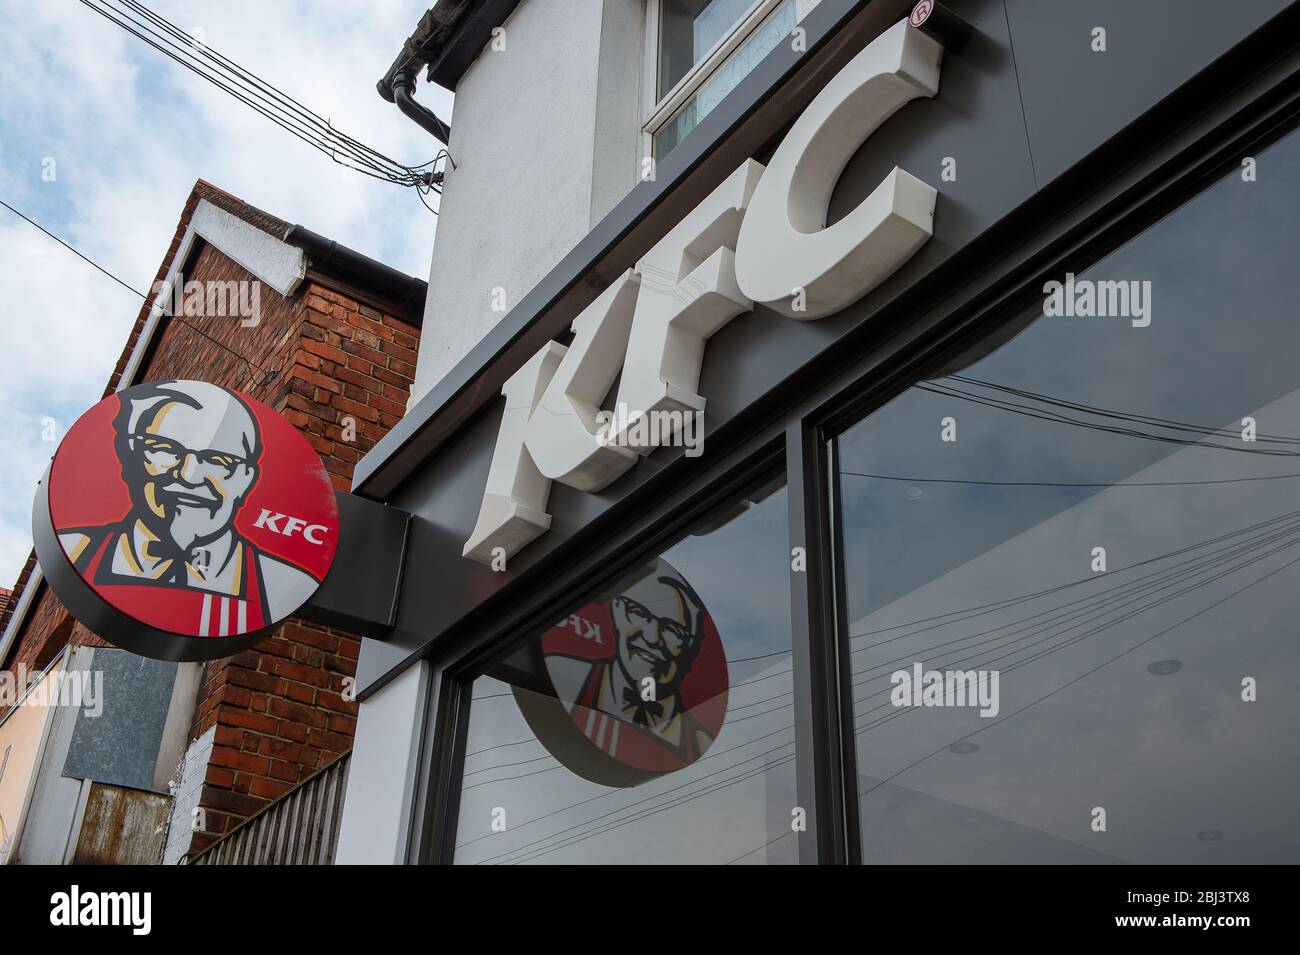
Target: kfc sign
<point>638,682</point>
<point>760,237</point>
<point>182,521</point>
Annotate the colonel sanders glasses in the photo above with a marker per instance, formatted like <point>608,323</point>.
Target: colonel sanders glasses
<point>164,455</point>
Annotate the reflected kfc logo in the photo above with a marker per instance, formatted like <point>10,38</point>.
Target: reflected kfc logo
<point>648,699</point>
<point>656,648</point>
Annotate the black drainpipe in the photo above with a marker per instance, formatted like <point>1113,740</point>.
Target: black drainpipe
<point>403,94</point>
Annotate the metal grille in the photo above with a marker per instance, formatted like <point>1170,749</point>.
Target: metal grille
<point>299,828</point>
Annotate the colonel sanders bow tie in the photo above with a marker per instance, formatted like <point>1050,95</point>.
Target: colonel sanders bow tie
<point>643,710</point>
<point>178,561</point>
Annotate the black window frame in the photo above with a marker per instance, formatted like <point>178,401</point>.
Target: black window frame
<point>1186,143</point>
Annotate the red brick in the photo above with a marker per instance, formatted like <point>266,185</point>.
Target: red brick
<point>300,693</point>
<point>356,409</point>
<point>234,759</point>
<point>311,636</point>
<point>301,673</point>
<point>289,772</point>
<point>333,742</point>
<point>325,351</point>
<point>345,725</point>
<point>238,716</point>
<point>263,682</point>
<point>289,710</point>
<point>395,350</point>
<point>335,701</point>
<point>294,731</point>
<point>372,355</point>
<point>219,776</point>
<point>271,789</point>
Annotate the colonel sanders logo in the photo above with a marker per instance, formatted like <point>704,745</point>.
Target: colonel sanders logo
<point>191,510</point>
<point>638,681</point>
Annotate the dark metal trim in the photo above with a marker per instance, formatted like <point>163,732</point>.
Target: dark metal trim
<point>818,702</point>
<point>361,591</point>
<point>820,678</point>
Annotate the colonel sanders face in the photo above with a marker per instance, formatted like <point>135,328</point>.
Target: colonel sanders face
<point>189,453</point>
<point>659,624</point>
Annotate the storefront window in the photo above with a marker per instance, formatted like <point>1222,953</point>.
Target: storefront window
<point>1093,523</point>
<point>652,724</point>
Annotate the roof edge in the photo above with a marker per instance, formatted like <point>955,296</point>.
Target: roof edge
<point>448,38</point>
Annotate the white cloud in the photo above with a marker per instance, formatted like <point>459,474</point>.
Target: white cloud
<point>129,132</point>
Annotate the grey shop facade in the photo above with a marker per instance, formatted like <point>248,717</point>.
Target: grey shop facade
<point>1048,446</point>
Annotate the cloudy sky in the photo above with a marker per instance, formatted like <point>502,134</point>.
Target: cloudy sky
<point>129,131</point>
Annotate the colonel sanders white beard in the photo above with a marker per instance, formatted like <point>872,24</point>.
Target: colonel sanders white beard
<point>188,524</point>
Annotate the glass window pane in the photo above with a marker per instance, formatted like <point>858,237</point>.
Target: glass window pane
<point>762,41</point>
<point>1088,532</point>
<point>687,30</point>
<point>654,723</point>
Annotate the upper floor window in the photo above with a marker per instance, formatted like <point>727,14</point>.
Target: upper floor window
<point>701,51</point>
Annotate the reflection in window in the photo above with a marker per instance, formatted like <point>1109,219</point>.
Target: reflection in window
<point>653,723</point>
<point>687,30</point>
<point>1078,511</point>
<point>775,28</point>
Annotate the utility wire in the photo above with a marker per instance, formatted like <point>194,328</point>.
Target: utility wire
<point>568,837</point>
<point>1032,412</point>
<point>1083,676</point>
<point>1121,415</point>
<point>916,480</point>
<point>997,604</point>
<point>91,262</point>
<point>1101,608</point>
<point>286,112</point>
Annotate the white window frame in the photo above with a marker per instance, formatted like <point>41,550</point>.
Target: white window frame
<point>656,111</point>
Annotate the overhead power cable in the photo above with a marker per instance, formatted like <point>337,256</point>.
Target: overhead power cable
<point>286,112</point>
<point>1031,412</point>
<point>1119,415</point>
<point>1101,607</point>
<point>1251,550</point>
<point>1083,676</point>
<point>919,480</point>
<point>91,262</point>
<point>575,834</point>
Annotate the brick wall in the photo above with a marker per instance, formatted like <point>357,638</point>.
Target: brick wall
<point>338,364</point>
<point>341,371</point>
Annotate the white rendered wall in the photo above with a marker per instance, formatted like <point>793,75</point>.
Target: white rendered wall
<point>545,135</point>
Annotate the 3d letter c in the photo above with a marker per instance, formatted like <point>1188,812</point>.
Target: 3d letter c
<point>785,244</point>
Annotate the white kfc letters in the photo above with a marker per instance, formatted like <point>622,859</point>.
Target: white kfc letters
<point>760,236</point>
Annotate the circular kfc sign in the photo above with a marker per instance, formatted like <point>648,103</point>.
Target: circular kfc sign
<point>636,681</point>
<point>181,520</point>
